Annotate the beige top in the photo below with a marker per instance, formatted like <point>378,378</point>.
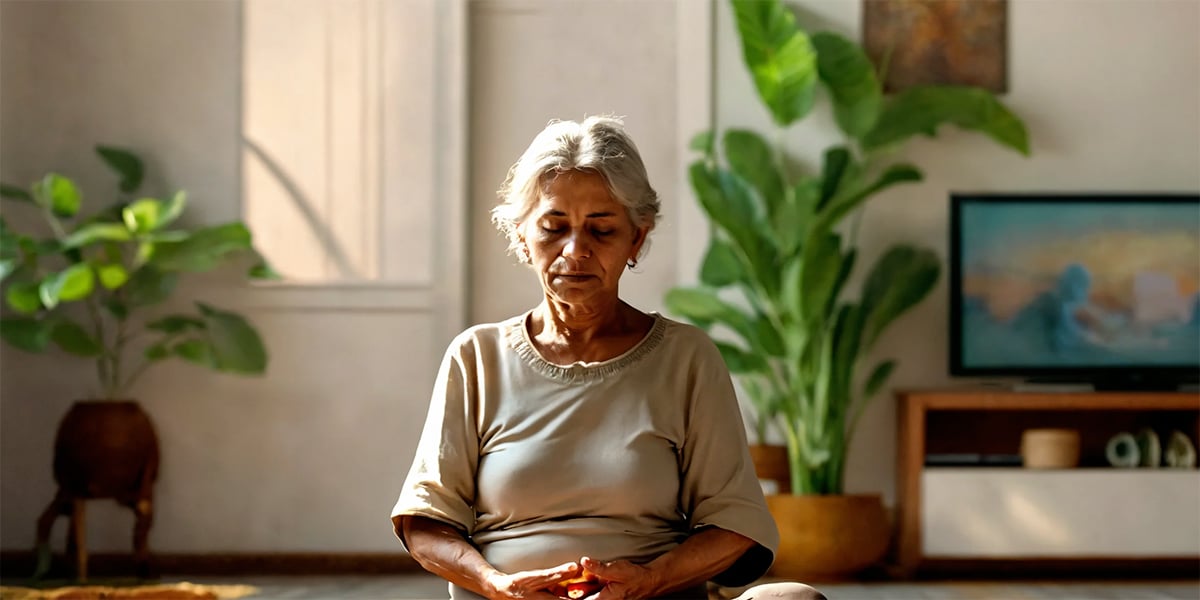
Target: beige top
<point>541,464</point>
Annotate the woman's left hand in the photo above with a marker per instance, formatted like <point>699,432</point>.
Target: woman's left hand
<point>623,580</point>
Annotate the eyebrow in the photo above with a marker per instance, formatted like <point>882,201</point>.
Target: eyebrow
<point>596,215</point>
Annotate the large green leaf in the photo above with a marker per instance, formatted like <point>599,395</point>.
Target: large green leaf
<point>111,275</point>
<point>176,324</point>
<point>835,171</point>
<point>721,266</point>
<point>202,251</point>
<point>263,270</point>
<point>73,283</point>
<point>31,335</point>
<point>23,297</point>
<point>702,142</point>
<point>780,57</point>
<point>878,378</point>
<point>822,264</point>
<point>59,194</point>
<point>791,223</point>
<point>847,72</point>
<point>127,166</point>
<point>149,285</point>
<point>767,337</point>
<point>96,232</point>
<point>703,305</point>
<point>741,361</point>
<point>922,109</point>
<point>728,201</point>
<point>846,202</point>
<point>847,343</point>
<point>10,242</point>
<point>117,308</point>
<point>195,350</point>
<point>149,214</point>
<point>15,193</point>
<point>236,346</point>
<point>74,339</point>
<point>900,279</point>
<point>751,158</point>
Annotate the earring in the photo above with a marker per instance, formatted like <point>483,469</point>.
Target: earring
<point>631,263</point>
<point>523,254</point>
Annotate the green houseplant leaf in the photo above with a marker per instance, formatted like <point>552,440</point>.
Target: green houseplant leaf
<point>900,279</point>
<point>58,194</point>
<point>204,250</point>
<point>236,346</point>
<point>780,57</point>
<point>127,166</point>
<point>850,77</point>
<point>97,232</point>
<point>72,338</point>
<point>752,160</point>
<point>25,333</point>
<point>922,109</point>
<point>73,283</point>
<point>15,193</point>
<point>721,266</point>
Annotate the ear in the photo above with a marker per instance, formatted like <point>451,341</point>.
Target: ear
<point>639,238</point>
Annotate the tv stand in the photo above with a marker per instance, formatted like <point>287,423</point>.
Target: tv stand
<point>1114,383</point>
<point>972,518</point>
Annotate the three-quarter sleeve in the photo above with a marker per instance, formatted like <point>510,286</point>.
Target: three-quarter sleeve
<point>441,482</point>
<point>719,486</point>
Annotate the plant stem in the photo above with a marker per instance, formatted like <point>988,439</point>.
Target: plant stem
<point>55,226</point>
<point>102,362</point>
<point>136,374</point>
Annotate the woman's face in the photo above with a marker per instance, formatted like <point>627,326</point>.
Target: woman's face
<point>580,238</point>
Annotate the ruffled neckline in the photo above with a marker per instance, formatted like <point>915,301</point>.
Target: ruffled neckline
<point>517,335</point>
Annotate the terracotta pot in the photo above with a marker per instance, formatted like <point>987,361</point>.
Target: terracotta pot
<point>771,464</point>
<point>828,538</point>
<point>106,449</point>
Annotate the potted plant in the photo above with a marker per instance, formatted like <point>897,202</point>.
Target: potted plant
<point>86,289</point>
<point>784,238</point>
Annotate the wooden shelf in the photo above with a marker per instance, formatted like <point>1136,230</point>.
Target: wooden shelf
<point>1000,516</point>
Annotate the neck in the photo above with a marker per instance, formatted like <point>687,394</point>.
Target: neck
<point>578,323</point>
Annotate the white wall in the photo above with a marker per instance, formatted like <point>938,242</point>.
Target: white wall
<point>1110,91</point>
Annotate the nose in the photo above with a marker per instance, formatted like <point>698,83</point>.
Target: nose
<point>576,245</point>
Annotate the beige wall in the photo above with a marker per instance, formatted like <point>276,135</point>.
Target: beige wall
<point>310,457</point>
<point>1110,91</point>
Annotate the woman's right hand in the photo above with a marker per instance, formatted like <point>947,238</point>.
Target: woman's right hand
<point>530,585</point>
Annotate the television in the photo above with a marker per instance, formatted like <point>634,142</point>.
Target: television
<point>1102,289</point>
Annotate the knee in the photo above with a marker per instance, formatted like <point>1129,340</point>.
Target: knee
<point>782,591</point>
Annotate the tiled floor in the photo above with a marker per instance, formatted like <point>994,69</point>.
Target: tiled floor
<point>423,587</point>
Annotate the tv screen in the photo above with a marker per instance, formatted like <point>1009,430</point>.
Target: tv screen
<point>1096,288</point>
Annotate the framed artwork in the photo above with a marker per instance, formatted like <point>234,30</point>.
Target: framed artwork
<point>918,42</point>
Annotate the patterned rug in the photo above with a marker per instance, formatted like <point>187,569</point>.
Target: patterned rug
<point>173,591</point>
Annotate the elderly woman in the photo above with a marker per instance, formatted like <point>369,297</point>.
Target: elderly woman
<point>585,448</point>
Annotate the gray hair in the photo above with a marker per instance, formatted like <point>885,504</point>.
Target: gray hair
<point>598,144</point>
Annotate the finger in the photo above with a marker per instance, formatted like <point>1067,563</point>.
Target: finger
<point>545,577</point>
<point>617,570</point>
